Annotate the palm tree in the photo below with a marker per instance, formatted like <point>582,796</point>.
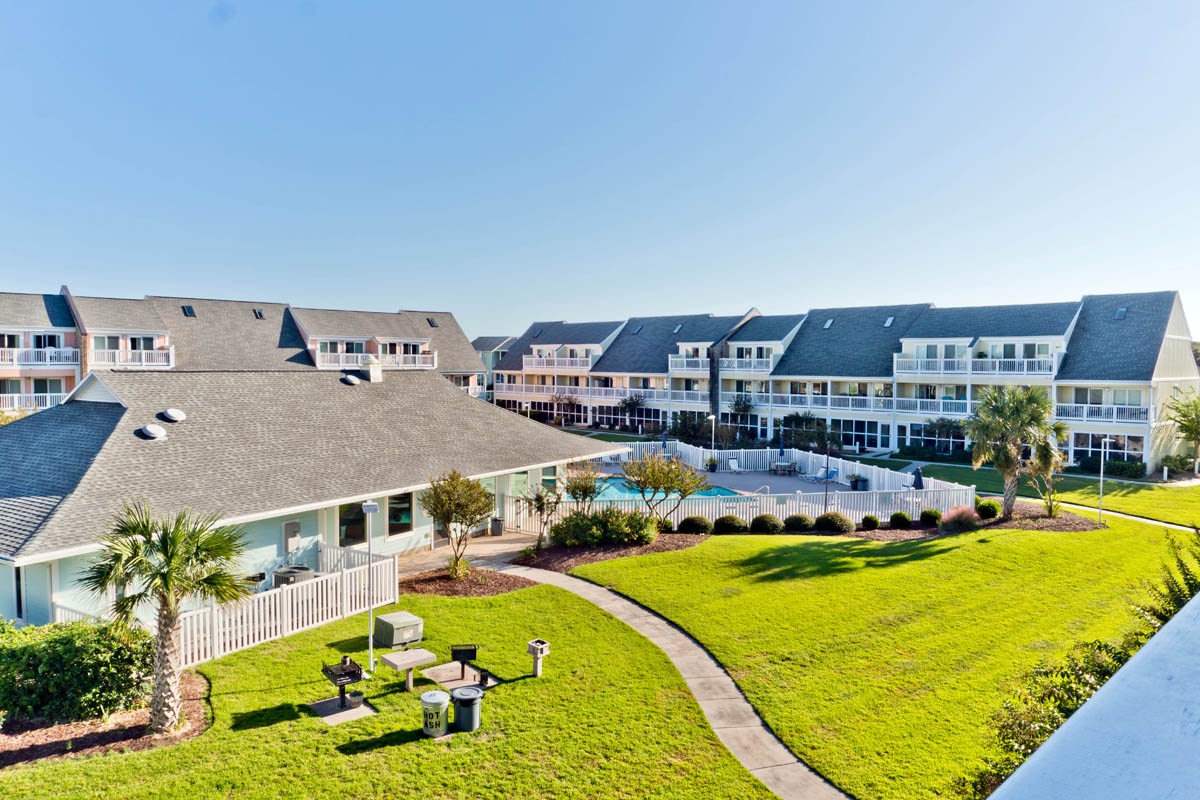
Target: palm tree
<point>1006,422</point>
<point>165,561</point>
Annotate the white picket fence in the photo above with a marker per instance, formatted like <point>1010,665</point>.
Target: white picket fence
<point>214,631</point>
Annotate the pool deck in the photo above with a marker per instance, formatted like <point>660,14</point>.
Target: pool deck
<point>761,482</point>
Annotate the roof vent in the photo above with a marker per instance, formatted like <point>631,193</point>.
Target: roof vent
<point>828,322</point>
<point>258,314</point>
<point>153,431</point>
<point>188,311</point>
<point>677,327</point>
<point>432,322</point>
<point>174,415</point>
<point>887,323</point>
<point>1121,313</point>
<point>350,380</point>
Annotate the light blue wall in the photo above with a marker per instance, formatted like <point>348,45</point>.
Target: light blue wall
<point>37,594</point>
<point>8,592</point>
<point>265,547</point>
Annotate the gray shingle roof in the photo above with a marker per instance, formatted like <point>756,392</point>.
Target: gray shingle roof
<point>455,353</point>
<point>35,311</point>
<point>118,314</point>
<point>856,344</point>
<point>489,344</point>
<point>1103,347</point>
<point>555,333</point>
<point>767,328</point>
<point>647,350</point>
<point>252,443</point>
<point>1033,319</point>
<point>225,335</point>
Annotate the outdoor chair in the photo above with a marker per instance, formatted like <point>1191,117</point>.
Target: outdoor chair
<point>733,465</point>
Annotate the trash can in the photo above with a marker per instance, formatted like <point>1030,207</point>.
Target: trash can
<point>434,707</point>
<point>497,526</point>
<point>467,700</point>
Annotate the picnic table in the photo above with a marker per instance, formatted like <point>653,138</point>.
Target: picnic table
<point>783,467</point>
<point>408,660</point>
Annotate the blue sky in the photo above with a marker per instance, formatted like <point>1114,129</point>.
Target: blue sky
<point>519,161</point>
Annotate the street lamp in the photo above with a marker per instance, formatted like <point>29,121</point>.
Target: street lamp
<point>528,414</point>
<point>370,509</point>
<point>712,421</point>
<point>1104,443</point>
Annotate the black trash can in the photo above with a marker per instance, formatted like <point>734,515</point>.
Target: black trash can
<point>467,702</point>
<point>497,526</point>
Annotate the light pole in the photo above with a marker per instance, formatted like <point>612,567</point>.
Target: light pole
<point>1104,443</point>
<point>528,414</point>
<point>370,509</point>
<point>827,475</point>
<point>712,422</point>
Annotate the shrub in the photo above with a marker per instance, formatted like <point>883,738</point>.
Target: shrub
<point>665,526</point>
<point>538,416</point>
<point>960,519</point>
<point>576,530</point>
<point>1114,469</point>
<point>901,520</point>
<point>730,523</point>
<point>799,523</point>
<point>624,527</point>
<point>1177,463</point>
<point>931,517</point>
<point>72,671</point>
<point>833,522</point>
<point>766,523</point>
<point>988,509</point>
<point>870,522</point>
<point>695,525</point>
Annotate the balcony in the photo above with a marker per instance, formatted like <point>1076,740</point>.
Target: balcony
<point>29,402</point>
<point>558,364</point>
<point>39,357</point>
<point>935,408</point>
<point>904,364</point>
<point>1100,413</point>
<point>133,359</point>
<point>387,361</point>
<point>745,364</point>
<point>687,364</point>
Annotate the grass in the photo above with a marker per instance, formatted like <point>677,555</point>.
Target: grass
<point>610,718</point>
<point>1178,504</point>
<point>880,664</point>
<point>610,437</point>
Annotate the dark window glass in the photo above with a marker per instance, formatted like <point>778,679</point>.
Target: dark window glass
<point>352,524</point>
<point>400,513</point>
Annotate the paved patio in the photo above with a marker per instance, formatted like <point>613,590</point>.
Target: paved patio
<point>762,482</point>
<point>485,552</point>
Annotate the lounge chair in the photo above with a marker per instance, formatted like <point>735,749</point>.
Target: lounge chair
<point>821,476</point>
<point>733,465</point>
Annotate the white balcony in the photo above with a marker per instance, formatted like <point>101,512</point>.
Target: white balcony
<point>387,361</point>
<point>905,364</point>
<point>536,390</point>
<point>745,364</point>
<point>686,364</point>
<point>1100,413</point>
<point>558,364</point>
<point>599,393</point>
<point>133,359</point>
<point>932,407</point>
<point>29,402</point>
<point>39,356</point>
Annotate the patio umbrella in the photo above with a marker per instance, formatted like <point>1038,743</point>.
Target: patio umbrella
<point>918,481</point>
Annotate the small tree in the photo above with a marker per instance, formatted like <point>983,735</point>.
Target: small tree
<point>460,505</point>
<point>1041,469</point>
<point>563,402</point>
<point>12,416</point>
<point>1184,411</point>
<point>630,406</point>
<point>165,561</point>
<point>661,480</point>
<point>542,501</point>
<point>583,484</point>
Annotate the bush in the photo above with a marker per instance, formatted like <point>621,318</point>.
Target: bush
<point>766,523</point>
<point>665,526</point>
<point>74,671</point>
<point>833,522</point>
<point>576,530</point>
<point>1113,469</point>
<point>799,523</point>
<point>695,525</point>
<point>1178,463</point>
<point>870,522</point>
<point>960,519</point>
<point>988,509</point>
<point>609,525</point>
<point>730,523</point>
<point>900,520</point>
<point>931,517</point>
<point>538,416</point>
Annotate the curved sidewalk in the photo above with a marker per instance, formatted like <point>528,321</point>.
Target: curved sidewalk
<point>733,719</point>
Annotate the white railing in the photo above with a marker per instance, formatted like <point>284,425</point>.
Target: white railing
<point>541,362</point>
<point>1013,366</point>
<point>948,408</point>
<point>620,393</point>
<point>63,613</point>
<point>39,357</point>
<point>937,366</point>
<point>475,391</point>
<point>146,359</point>
<point>408,360</point>
<point>907,364</point>
<point>746,364</point>
<point>687,364</point>
<point>214,631</point>
<point>539,390</point>
<point>1099,413</point>
<point>29,402</point>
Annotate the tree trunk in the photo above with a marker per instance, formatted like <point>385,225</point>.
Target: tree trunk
<point>1011,482</point>
<point>166,704</point>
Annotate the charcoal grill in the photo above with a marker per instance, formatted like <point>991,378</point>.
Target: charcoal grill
<point>464,654</point>
<point>342,675</point>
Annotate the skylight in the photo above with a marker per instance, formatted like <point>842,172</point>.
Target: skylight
<point>188,311</point>
<point>258,314</point>
<point>1121,312</point>
<point>537,333</point>
<point>432,322</point>
<point>637,330</point>
<point>887,323</point>
<point>677,327</point>
<point>828,322</point>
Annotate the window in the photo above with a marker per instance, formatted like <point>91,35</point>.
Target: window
<point>927,351</point>
<point>106,342</point>
<point>887,323</point>
<point>47,340</point>
<point>47,385</point>
<point>827,324</point>
<point>432,322</point>
<point>1121,312</point>
<point>1127,397</point>
<point>141,342</point>
<point>1089,397</point>
<point>10,341</point>
<point>1120,448</point>
<point>883,390</point>
<point>677,328</point>
<point>537,333</point>
<point>188,311</point>
<point>352,524</point>
<point>400,514</point>
<point>1031,350</point>
<point>798,387</point>
<point>18,574</point>
<point>637,330</point>
<point>10,386</point>
<point>258,314</point>
<point>954,351</point>
<point>354,347</point>
<point>549,477</point>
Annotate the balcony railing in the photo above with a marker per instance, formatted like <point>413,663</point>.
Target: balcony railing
<point>687,364</point>
<point>143,359</point>
<point>387,361</point>
<point>938,408</point>
<point>29,402</point>
<point>746,364</point>
<point>39,356</point>
<point>1099,413</point>
<point>555,363</point>
<point>907,364</point>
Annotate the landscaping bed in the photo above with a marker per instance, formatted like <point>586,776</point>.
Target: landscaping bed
<point>480,583</point>
<point>564,559</point>
<point>26,740</point>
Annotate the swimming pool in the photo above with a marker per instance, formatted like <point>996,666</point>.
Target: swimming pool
<point>619,489</point>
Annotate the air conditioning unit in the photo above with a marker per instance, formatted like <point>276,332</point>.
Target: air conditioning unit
<point>288,576</point>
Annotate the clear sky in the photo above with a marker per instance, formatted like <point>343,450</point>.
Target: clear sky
<point>568,160</point>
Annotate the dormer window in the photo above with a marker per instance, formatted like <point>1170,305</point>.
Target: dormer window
<point>188,311</point>
<point>432,322</point>
<point>258,314</point>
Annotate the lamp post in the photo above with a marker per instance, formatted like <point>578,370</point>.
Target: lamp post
<point>370,509</point>
<point>827,475</point>
<point>528,414</point>
<point>1104,443</point>
<point>712,422</point>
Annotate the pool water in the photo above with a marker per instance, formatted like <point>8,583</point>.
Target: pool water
<point>620,489</point>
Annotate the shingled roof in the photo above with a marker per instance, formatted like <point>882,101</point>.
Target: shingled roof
<point>855,345</point>
<point>555,333</point>
<point>767,328</point>
<point>488,344</point>
<point>35,311</point>
<point>252,444</point>
<point>226,335</point>
<point>644,344</point>
<point>117,314</point>
<point>1031,319</point>
<point>1105,348</point>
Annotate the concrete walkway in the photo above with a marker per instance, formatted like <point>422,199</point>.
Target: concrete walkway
<point>733,719</point>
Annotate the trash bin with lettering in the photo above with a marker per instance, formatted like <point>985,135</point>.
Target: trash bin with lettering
<point>434,708</point>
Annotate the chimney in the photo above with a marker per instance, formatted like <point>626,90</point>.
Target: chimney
<point>374,369</point>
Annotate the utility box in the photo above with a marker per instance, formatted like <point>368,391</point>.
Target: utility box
<point>398,629</point>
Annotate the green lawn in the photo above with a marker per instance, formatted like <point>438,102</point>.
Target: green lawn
<point>610,718</point>
<point>881,664</point>
<point>1180,505</point>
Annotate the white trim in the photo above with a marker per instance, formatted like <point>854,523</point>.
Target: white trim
<point>35,329</point>
<point>92,376</point>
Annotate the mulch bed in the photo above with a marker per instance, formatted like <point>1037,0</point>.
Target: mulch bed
<point>480,583</point>
<point>25,740</point>
<point>1026,516</point>
<point>564,559</point>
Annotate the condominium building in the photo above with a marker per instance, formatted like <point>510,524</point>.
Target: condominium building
<point>491,351</point>
<point>876,374</point>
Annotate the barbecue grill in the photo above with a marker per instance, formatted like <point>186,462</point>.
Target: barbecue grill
<point>464,654</point>
<point>342,675</point>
